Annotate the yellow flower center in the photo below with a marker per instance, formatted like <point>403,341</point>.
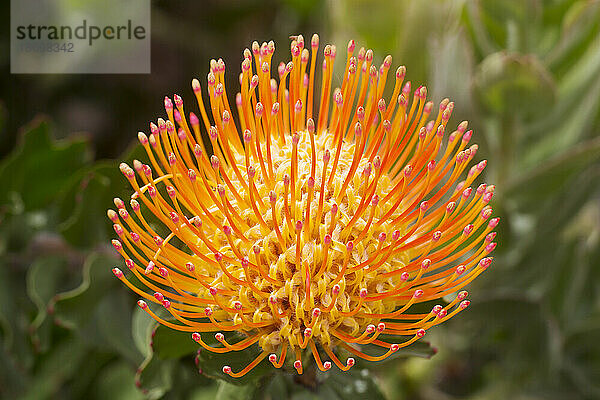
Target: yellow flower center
<point>324,255</point>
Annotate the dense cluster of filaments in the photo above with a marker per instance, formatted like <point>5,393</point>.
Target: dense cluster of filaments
<point>305,232</point>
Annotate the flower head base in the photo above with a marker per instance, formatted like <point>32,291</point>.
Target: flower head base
<point>301,230</point>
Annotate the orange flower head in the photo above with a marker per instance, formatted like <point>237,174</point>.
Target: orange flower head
<point>306,226</point>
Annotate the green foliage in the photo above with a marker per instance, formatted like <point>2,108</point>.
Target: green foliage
<point>525,73</point>
<point>61,338</point>
<point>38,170</point>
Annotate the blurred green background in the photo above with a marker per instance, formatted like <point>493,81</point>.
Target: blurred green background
<point>525,73</point>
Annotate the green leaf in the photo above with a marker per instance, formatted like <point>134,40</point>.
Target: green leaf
<point>513,344</point>
<point>116,381</point>
<point>142,327</point>
<point>275,388</point>
<point>353,384</point>
<point>204,393</point>
<point>334,384</point>
<point>579,26</point>
<point>155,376</point>
<point>583,364</point>
<point>13,380</point>
<point>575,114</point>
<point>61,364</point>
<point>14,317</point>
<point>228,391</point>
<point>38,170</point>
<point>44,279</point>
<point>83,207</point>
<point>85,384</point>
<point>112,324</point>
<point>99,312</point>
<point>549,177</point>
<point>74,307</point>
<point>511,84</point>
<point>169,343</point>
<point>158,375</point>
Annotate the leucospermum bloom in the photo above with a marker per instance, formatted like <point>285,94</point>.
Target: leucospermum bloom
<point>309,226</point>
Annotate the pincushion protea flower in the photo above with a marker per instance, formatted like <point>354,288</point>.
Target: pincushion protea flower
<point>305,230</point>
